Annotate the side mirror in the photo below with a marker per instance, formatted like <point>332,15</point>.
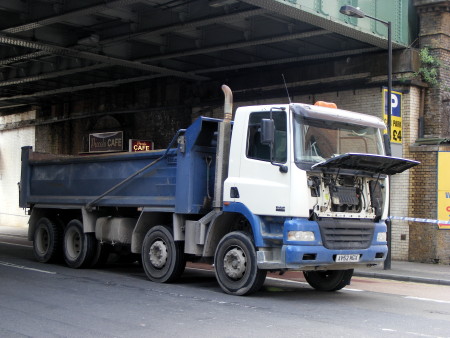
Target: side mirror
<point>267,131</point>
<point>387,145</point>
<point>268,138</point>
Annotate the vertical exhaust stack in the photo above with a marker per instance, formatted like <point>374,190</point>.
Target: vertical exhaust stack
<point>228,105</point>
<point>223,148</point>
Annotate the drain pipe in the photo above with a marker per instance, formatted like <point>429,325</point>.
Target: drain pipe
<point>223,148</point>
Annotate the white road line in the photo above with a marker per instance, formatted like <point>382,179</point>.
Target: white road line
<point>26,246</point>
<point>428,299</point>
<point>11,265</point>
<point>305,283</point>
<point>188,267</point>
<point>352,290</point>
<point>12,236</point>
<point>287,280</point>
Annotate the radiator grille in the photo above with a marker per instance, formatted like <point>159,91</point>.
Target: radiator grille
<point>346,234</point>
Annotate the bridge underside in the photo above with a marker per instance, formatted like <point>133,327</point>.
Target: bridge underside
<point>57,51</point>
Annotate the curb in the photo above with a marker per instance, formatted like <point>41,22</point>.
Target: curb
<point>402,278</point>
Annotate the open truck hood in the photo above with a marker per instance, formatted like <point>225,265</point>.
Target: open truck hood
<point>378,164</point>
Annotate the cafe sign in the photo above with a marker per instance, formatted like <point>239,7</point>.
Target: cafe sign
<point>140,145</point>
<point>106,142</point>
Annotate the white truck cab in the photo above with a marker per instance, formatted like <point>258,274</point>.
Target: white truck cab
<point>313,182</point>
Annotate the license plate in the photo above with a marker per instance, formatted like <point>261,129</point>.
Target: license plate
<point>347,258</point>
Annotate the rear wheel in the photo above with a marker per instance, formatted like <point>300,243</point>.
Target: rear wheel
<point>47,241</point>
<point>163,259</point>
<point>101,255</point>
<point>329,280</point>
<point>79,247</point>
<point>236,265</point>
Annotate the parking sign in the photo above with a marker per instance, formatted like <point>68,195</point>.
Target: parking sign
<point>396,115</point>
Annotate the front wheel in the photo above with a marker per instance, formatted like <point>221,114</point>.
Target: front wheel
<point>162,258</point>
<point>236,265</point>
<point>329,280</point>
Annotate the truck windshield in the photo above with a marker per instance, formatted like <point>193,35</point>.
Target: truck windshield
<point>318,140</point>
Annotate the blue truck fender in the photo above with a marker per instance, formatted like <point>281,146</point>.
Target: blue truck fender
<point>226,221</point>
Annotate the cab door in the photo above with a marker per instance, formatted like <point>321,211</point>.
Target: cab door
<point>262,185</point>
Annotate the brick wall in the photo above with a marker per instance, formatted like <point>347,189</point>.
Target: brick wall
<point>427,243</point>
<point>443,247</point>
<point>402,184</point>
<point>423,204</point>
<point>434,34</point>
<point>130,113</point>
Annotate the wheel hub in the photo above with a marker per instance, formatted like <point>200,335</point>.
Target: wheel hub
<point>234,263</point>
<point>158,254</point>
<point>73,244</point>
<point>43,241</point>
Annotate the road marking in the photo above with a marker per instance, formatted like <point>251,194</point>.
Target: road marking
<point>353,290</point>
<point>198,269</point>
<point>421,334</point>
<point>409,332</point>
<point>26,246</point>
<point>428,299</point>
<point>286,280</point>
<point>11,265</point>
<point>305,283</point>
<point>13,236</point>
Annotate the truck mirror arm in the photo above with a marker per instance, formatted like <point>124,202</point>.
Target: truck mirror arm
<point>283,168</point>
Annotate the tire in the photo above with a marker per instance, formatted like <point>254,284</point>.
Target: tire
<point>163,259</point>
<point>79,247</point>
<point>329,280</point>
<point>236,265</point>
<point>47,241</point>
<point>101,256</point>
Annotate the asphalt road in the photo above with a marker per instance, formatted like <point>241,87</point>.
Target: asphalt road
<point>43,300</point>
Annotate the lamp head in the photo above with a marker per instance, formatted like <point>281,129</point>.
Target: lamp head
<point>352,11</point>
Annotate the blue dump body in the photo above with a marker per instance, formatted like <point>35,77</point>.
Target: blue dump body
<point>182,181</point>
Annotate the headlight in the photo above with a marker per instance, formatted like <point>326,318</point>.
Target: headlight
<point>381,237</point>
<point>301,236</point>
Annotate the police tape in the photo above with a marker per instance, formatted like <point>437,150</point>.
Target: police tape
<point>420,220</point>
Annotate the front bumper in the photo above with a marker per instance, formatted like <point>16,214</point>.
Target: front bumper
<point>294,257</point>
<point>318,254</point>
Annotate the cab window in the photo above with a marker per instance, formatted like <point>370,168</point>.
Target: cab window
<point>258,151</point>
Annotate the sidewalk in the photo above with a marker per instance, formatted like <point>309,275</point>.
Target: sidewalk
<point>14,231</point>
<point>410,272</point>
<point>400,270</point>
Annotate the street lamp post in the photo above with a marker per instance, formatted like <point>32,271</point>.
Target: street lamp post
<point>357,13</point>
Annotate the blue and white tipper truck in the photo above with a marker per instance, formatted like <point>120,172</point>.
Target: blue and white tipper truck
<point>281,187</point>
